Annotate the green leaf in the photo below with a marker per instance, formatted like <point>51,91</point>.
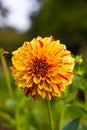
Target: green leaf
<point>80,82</point>
<point>75,111</point>
<point>72,125</point>
<point>69,97</point>
<point>7,117</point>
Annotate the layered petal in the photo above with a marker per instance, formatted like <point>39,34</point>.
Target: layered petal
<point>42,67</point>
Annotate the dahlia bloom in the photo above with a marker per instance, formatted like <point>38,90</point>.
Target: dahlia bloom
<point>42,67</point>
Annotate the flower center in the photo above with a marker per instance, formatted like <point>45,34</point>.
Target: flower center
<point>40,67</point>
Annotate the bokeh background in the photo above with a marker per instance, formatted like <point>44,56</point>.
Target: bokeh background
<point>21,20</point>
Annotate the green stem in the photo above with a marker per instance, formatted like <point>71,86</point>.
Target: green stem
<point>7,76</point>
<point>50,115</point>
<point>85,99</point>
<point>6,71</point>
<point>62,118</point>
<point>17,119</point>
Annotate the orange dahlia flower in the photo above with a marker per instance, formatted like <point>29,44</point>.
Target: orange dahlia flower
<point>42,67</point>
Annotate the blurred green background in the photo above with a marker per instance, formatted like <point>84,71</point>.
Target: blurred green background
<point>66,20</point>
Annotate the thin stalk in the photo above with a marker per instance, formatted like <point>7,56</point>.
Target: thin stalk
<point>63,111</point>
<point>85,99</point>
<point>7,76</point>
<point>61,119</point>
<point>6,71</point>
<point>50,115</point>
<point>17,119</point>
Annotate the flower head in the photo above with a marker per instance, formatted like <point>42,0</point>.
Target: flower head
<point>42,67</point>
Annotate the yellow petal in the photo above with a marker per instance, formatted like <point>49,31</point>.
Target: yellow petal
<point>54,79</point>
<point>39,92</point>
<point>48,96</point>
<point>46,86</point>
<point>43,94</point>
<point>36,79</point>
<point>48,80</point>
<point>21,83</point>
<point>33,91</point>
<point>29,83</point>
<point>55,88</point>
<point>40,85</point>
<point>27,76</point>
